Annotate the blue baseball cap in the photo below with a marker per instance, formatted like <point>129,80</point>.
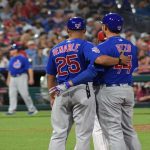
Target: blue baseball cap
<point>14,47</point>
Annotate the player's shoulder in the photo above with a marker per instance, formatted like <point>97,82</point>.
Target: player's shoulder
<point>88,44</point>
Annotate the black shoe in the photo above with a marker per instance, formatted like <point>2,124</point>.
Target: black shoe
<point>31,113</point>
<point>10,113</point>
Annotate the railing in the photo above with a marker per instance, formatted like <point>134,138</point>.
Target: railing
<point>41,98</point>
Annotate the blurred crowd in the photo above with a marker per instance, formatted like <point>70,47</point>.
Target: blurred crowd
<point>37,25</point>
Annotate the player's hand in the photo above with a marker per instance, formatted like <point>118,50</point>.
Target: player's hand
<point>125,60</point>
<point>31,81</point>
<point>59,89</point>
<point>52,99</point>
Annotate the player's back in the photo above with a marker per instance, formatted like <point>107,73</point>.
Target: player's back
<point>69,58</point>
<point>119,73</point>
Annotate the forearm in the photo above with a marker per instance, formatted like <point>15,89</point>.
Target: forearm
<point>8,79</point>
<point>31,74</point>
<point>107,60</point>
<point>86,76</point>
<point>51,81</point>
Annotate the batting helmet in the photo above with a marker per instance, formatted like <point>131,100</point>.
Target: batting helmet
<point>113,21</point>
<point>76,23</point>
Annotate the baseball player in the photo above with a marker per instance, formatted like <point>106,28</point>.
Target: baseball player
<point>66,61</point>
<point>17,81</point>
<point>114,92</point>
<point>99,140</point>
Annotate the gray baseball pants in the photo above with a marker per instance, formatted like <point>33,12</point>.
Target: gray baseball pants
<point>115,111</point>
<point>73,106</point>
<point>19,84</point>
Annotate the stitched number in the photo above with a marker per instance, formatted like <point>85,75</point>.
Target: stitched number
<point>126,67</point>
<point>70,63</point>
<point>62,63</point>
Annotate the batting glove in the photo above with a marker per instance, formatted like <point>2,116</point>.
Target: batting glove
<point>59,89</point>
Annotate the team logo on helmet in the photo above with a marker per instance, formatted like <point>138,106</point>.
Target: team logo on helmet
<point>78,25</point>
<point>119,28</point>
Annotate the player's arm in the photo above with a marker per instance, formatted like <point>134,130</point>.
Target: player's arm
<point>86,76</point>
<point>51,72</point>
<point>31,76</point>
<point>8,79</point>
<point>51,82</point>
<point>28,67</point>
<point>111,61</point>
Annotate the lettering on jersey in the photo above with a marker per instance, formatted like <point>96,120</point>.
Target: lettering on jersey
<point>17,64</point>
<point>123,47</point>
<point>70,47</point>
<point>124,67</point>
<point>96,50</point>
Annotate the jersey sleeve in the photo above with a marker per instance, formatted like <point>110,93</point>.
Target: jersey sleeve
<point>50,67</point>
<point>104,48</point>
<point>91,52</point>
<point>27,63</point>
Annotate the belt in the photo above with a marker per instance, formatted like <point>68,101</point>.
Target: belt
<point>119,84</point>
<point>17,75</point>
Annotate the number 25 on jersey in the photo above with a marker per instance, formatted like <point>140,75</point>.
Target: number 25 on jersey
<point>69,62</point>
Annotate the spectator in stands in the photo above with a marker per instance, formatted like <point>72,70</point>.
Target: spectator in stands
<point>42,40</point>
<point>58,18</point>
<point>26,36</point>
<point>31,52</point>
<point>3,61</point>
<point>141,91</point>
<point>41,58</point>
<point>4,42</point>
<point>89,28</point>
<point>143,43</point>
<point>3,3</point>
<point>144,65</point>
<point>143,8</point>
<point>129,35</point>
<point>5,13</point>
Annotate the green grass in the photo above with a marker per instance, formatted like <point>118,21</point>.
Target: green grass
<point>23,132</point>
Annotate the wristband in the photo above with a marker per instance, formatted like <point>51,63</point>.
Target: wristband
<point>67,84</point>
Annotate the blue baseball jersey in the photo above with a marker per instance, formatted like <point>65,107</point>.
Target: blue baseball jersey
<point>69,58</point>
<point>118,74</point>
<point>18,65</point>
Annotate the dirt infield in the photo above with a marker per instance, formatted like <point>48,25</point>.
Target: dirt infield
<point>142,127</point>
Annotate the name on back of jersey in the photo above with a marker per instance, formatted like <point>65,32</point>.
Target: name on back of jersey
<point>70,47</point>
